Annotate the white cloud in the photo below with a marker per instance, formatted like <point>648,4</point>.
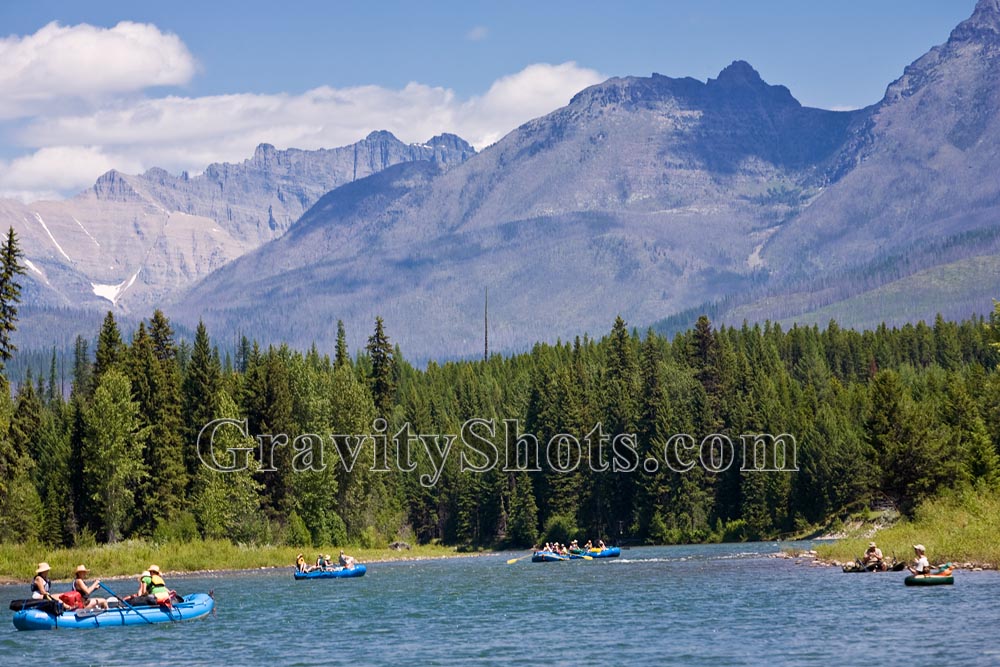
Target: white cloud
<point>84,61</point>
<point>477,34</point>
<point>534,91</point>
<point>50,170</point>
<point>185,133</point>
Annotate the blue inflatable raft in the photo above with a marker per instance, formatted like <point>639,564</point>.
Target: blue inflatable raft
<point>606,552</point>
<point>195,605</point>
<point>336,573</point>
<point>547,557</point>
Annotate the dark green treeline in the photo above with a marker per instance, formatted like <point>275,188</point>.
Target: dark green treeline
<point>891,415</point>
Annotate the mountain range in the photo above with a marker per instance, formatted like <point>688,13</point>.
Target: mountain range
<point>132,241</point>
<point>650,197</point>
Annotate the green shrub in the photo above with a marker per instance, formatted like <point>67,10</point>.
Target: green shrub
<point>338,529</point>
<point>370,539</point>
<point>182,528</point>
<point>296,533</point>
<point>561,528</point>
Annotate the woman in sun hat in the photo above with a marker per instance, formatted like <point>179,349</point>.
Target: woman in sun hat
<point>140,596</point>
<point>81,587</point>
<point>156,587</point>
<point>41,584</point>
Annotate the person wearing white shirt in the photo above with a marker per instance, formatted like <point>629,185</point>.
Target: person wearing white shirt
<point>920,565</point>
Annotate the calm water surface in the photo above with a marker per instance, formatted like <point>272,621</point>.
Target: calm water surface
<point>695,605</point>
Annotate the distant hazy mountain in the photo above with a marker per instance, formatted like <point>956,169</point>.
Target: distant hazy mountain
<point>645,197</point>
<point>135,241</point>
<point>919,189</point>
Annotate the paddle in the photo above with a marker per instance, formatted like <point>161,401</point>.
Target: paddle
<point>514,560</point>
<point>122,600</point>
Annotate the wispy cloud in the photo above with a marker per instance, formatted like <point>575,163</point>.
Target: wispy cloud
<point>68,146</point>
<point>477,34</point>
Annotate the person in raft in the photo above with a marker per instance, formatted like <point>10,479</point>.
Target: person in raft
<point>320,562</point>
<point>81,587</point>
<point>41,584</point>
<point>152,589</point>
<point>920,564</point>
<point>300,564</point>
<point>873,559</point>
<point>346,561</point>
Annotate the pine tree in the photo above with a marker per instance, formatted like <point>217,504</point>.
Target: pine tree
<point>156,388</point>
<point>201,388</point>
<point>110,348</point>
<point>10,294</point>
<point>113,449</point>
<point>27,420</point>
<point>20,506</point>
<point>55,480</point>
<point>55,394</point>
<point>343,357</point>
<point>82,368</point>
<point>522,525</point>
<point>227,504</point>
<point>383,370</point>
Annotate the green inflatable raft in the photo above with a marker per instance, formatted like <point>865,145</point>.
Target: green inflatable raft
<point>940,577</point>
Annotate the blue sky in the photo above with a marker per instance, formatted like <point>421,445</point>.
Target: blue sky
<point>482,67</point>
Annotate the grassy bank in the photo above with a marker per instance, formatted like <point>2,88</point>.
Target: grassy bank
<point>961,527</point>
<point>18,561</point>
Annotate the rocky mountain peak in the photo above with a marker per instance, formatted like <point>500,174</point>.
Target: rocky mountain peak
<point>971,51</point>
<point>158,174</point>
<point>264,155</point>
<point>381,135</point>
<point>740,72</point>
<point>115,186</point>
<point>982,26</point>
<point>451,141</point>
<point>263,151</point>
<point>740,80</point>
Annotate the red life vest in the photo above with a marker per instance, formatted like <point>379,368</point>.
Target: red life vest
<point>72,599</point>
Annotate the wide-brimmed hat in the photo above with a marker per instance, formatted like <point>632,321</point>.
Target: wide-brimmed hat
<point>42,567</point>
<point>299,556</point>
<point>154,568</point>
<point>871,544</point>
<point>919,547</point>
<point>81,568</point>
<point>144,573</point>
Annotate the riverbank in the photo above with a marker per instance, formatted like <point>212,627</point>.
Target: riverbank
<point>127,559</point>
<point>959,527</point>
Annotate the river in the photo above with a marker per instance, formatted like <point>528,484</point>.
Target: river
<point>712,605</point>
